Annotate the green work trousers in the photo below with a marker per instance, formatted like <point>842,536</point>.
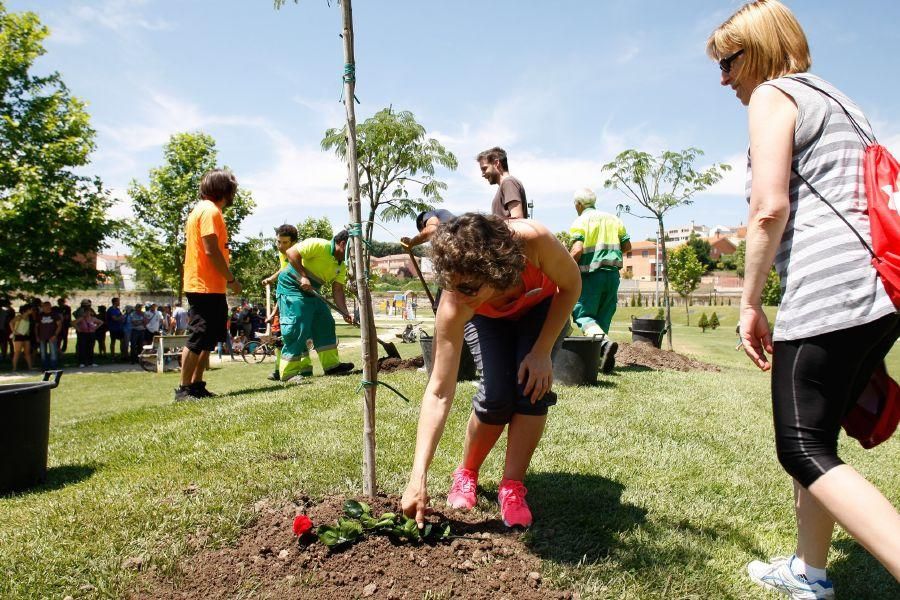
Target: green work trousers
<point>598,300</point>
<point>305,319</point>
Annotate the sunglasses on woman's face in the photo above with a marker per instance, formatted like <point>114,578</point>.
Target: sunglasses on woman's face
<point>467,288</point>
<point>725,63</point>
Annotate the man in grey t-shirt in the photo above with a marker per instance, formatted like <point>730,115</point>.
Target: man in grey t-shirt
<point>509,201</point>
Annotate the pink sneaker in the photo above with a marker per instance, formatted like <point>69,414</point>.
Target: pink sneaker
<point>462,490</point>
<point>513,507</point>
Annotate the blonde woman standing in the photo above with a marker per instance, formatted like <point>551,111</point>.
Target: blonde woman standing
<point>835,323</point>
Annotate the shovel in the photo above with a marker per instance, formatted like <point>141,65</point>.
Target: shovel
<point>422,279</point>
<point>389,347</point>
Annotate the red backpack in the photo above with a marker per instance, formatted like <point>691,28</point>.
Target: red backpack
<point>876,414</point>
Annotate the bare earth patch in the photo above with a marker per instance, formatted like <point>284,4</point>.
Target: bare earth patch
<point>389,365</point>
<point>646,355</point>
<point>266,562</point>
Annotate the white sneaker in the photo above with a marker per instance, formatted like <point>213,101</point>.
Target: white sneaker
<point>80,366</point>
<point>777,575</point>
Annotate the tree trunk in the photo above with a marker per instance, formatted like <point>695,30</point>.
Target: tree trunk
<point>687,312</point>
<point>665,265</point>
<point>367,329</point>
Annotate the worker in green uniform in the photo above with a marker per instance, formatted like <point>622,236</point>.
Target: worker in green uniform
<point>306,320</point>
<point>598,241</point>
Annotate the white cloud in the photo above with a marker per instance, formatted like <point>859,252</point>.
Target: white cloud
<point>734,181</point>
<point>122,17</point>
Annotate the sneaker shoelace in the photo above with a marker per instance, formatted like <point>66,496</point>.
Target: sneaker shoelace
<point>514,494</point>
<point>463,484</point>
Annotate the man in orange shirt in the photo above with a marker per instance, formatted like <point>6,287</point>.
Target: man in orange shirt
<point>206,279</point>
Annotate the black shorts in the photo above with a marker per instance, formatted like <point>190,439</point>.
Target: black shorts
<point>208,317</point>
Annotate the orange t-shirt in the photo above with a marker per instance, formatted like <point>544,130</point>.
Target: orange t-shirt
<point>199,273</point>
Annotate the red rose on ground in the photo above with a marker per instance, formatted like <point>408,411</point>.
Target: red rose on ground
<point>302,525</point>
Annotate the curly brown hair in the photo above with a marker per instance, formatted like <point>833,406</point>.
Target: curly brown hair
<point>479,247</point>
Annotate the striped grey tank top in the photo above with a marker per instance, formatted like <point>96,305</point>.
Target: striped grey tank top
<point>827,280</point>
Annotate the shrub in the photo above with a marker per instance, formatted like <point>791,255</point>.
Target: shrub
<point>714,321</point>
<point>703,323</point>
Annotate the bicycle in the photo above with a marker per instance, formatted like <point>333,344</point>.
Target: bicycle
<point>256,351</point>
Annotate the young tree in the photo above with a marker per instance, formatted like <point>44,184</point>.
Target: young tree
<point>565,238</point>
<point>315,228</point>
<point>397,163</point>
<point>685,272</point>
<point>52,221</point>
<point>714,321</point>
<point>703,323</point>
<point>702,249</point>
<point>738,260</point>
<point>658,184</point>
<point>161,209</point>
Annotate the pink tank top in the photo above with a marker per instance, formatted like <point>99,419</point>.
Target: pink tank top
<point>538,287</point>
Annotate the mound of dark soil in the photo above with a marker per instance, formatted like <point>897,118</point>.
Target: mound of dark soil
<point>646,355</point>
<point>389,365</point>
<point>266,562</point>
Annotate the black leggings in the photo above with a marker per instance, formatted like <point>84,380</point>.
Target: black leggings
<point>815,381</point>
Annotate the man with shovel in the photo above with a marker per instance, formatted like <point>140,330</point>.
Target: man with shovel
<point>305,316</point>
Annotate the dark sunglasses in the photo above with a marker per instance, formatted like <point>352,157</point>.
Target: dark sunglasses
<point>467,288</point>
<point>725,63</point>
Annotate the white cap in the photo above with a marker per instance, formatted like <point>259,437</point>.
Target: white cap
<point>585,197</point>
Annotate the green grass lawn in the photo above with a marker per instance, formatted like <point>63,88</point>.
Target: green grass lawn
<point>650,485</point>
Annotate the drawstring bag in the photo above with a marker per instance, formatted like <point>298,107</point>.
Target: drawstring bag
<point>876,414</point>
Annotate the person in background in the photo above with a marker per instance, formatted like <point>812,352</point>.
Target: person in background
<point>154,322</point>
<point>509,201</point>
<point>180,316</point>
<point>48,328</point>
<point>598,241</point>
<point>836,322</point>
<point>65,314</point>
<point>20,327</point>
<point>115,324</point>
<point>85,326</point>
<point>137,323</point>
<point>100,334</point>
<point>7,314</point>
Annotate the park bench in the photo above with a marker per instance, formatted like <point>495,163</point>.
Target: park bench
<point>162,347</point>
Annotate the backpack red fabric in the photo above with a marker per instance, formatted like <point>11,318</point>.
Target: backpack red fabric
<point>881,171</point>
<point>874,417</point>
<point>876,414</point>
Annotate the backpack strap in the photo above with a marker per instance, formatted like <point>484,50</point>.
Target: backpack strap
<point>863,136</point>
<point>839,215</point>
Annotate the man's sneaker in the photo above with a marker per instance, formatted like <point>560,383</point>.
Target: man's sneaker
<point>777,575</point>
<point>513,508</point>
<point>608,360</point>
<point>462,490</point>
<point>340,369</point>
<point>299,379</point>
<point>184,392</point>
<point>200,391</point>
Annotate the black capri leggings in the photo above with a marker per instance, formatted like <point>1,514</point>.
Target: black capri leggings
<point>815,381</point>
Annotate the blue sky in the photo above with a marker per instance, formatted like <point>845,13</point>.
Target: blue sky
<point>563,87</point>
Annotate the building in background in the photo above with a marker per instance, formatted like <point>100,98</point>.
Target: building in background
<point>120,274</point>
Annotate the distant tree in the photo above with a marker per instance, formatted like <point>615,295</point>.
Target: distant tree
<point>703,323</point>
<point>379,249</point>
<point>739,255</point>
<point>658,184</point>
<point>771,294</point>
<point>660,314</point>
<point>315,228</point>
<point>161,209</point>
<point>714,321</point>
<point>53,221</point>
<point>252,261</point>
<point>397,164</point>
<point>565,238</point>
<point>685,272</point>
<point>702,249</point>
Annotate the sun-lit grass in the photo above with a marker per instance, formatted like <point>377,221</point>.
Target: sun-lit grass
<point>650,485</point>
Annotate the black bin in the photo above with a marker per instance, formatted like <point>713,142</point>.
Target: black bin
<point>467,370</point>
<point>577,361</point>
<point>25,432</point>
<point>648,331</point>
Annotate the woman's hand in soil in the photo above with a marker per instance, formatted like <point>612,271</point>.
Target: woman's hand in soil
<point>756,336</point>
<point>539,369</point>
<point>415,500</point>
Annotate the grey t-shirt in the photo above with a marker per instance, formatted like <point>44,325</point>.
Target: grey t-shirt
<point>510,190</point>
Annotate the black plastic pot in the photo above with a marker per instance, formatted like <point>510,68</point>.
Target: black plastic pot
<point>25,432</point>
<point>648,331</point>
<point>467,371</point>
<point>577,361</point>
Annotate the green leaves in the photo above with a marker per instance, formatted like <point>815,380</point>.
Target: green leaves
<point>360,521</point>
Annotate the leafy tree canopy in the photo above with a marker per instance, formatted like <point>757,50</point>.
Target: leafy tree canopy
<point>161,209</point>
<point>702,249</point>
<point>685,272</point>
<point>771,294</point>
<point>52,221</point>
<point>397,165</point>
